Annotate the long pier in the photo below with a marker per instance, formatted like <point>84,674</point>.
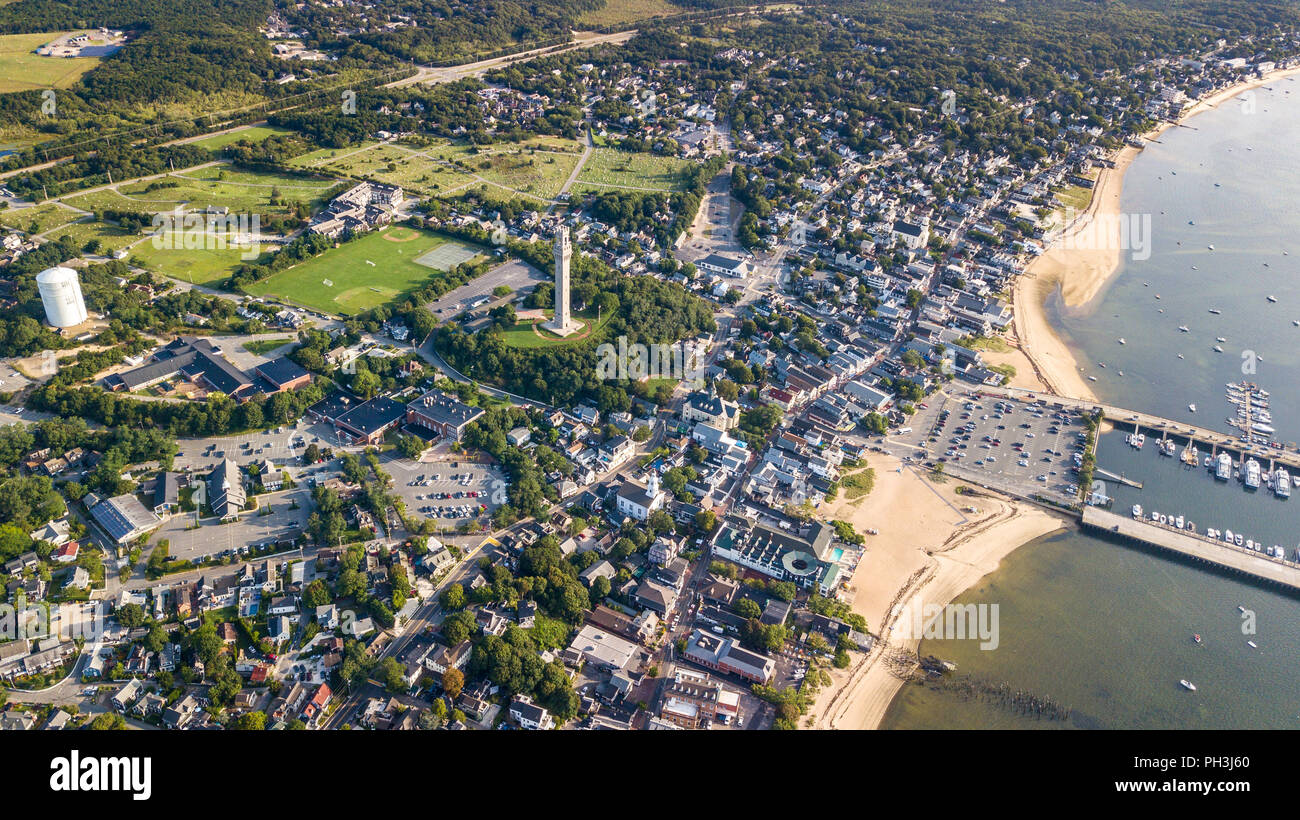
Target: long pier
<point>1194,546</point>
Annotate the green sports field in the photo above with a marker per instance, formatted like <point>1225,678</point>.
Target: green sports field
<point>209,266</point>
<point>364,273</point>
<point>23,70</point>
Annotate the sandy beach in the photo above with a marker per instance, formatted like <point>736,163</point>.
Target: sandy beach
<point>933,545</point>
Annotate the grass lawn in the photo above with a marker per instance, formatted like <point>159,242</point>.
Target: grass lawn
<point>858,484</point>
<point>263,346</point>
<point>362,274</point>
<point>541,174</point>
<point>21,69</point>
<point>1075,196</point>
<point>323,156</point>
<point>536,167</point>
<point>240,191</point>
<point>613,168</point>
<point>255,134</point>
<point>110,237</point>
<point>198,266</point>
<point>37,219</point>
<point>524,335</point>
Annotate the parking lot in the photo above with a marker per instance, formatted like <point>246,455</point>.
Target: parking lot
<point>519,276</point>
<point>1023,448</point>
<point>283,445</point>
<point>449,491</point>
<point>252,528</point>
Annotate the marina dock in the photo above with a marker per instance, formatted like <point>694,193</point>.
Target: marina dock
<point>1198,547</point>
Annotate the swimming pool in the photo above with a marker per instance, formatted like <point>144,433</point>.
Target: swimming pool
<point>837,554</point>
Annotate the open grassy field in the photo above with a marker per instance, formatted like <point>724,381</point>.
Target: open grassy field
<point>1075,196</point>
<point>626,12</point>
<point>255,134</point>
<point>387,163</point>
<point>263,346</point>
<point>324,156</point>
<point>38,219</point>
<point>21,69</point>
<point>540,174</point>
<point>534,168</point>
<point>358,275</point>
<point>611,168</point>
<point>109,237</point>
<point>240,191</point>
<point>198,266</point>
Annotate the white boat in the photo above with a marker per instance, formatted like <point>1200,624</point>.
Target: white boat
<point>1184,329</point>
<point>1271,298</point>
<point>1223,467</point>
<point>1121,341</point>
<point>1238,540</point>
<point>1218,349</point>
<point>1252,474</point>
<point>1251,644</point>
<point>1192,407</point>
<point>1240,608</point>
<point>1215,311</point>
<point>1282,483</point>
<point>1188,685</point>
<point>1137,510</point>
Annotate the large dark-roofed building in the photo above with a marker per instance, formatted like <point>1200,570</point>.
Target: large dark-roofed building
<point>200,361</point>
<point>124,518</point>
<point>282,374</point>
<point>332,406</point>
<point>226,494</point>
<point>444,414</point>
<point>368,422</point>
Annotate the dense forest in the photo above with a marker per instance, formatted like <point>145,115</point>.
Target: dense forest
<point>446,29</point>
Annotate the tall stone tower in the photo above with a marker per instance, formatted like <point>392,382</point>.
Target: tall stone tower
<point>562,324</point>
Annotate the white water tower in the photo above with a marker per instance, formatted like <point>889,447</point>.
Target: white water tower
<point>61,295</point>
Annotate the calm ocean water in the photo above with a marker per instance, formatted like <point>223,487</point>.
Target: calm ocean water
<point>1107,629</point>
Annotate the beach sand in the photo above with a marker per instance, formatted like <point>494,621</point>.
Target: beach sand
<point>933,545</point>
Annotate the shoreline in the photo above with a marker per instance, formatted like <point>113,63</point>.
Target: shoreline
<point>1081,274</point>
<point>908,572</point>
<point>962,539</point>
